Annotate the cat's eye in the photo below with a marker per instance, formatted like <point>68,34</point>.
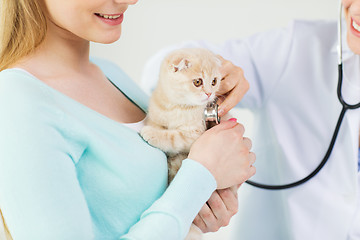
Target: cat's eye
<point>214,81</point>
<point>198,82</point>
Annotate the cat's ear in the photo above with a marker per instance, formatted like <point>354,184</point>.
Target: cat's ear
<point>183,64</point>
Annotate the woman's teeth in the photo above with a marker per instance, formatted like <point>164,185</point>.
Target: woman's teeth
<point>108,16</point>
<point>357,27</point>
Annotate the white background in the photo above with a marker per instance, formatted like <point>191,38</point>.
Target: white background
<point>152,24</point>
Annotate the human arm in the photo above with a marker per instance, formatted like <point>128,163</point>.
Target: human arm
<point>222,205</point>
<point>171,215</point>
<point>40,193</point>
<point>49,202</point>
<point>40,196</point>
<point>220,150</point>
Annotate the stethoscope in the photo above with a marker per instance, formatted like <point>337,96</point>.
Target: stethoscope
<point>211,118</point>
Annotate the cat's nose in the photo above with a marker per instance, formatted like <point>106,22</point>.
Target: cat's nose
<point>208,94</point>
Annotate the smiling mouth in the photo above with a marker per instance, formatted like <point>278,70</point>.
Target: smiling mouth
<point>106,16</point>
<point>355,25</point>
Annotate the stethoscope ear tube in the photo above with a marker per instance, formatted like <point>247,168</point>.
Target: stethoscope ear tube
<point>339,46</point>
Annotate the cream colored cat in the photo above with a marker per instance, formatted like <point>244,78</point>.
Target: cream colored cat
<point>188,80</point>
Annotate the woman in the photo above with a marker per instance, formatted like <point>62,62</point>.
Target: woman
<point>72,164</point>
<point>293,78</point>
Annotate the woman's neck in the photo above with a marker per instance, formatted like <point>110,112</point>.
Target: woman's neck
<point>60,52</point>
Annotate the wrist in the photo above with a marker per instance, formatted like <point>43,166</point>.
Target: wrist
<point>205,164</point>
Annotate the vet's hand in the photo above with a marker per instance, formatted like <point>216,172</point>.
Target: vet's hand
<point>222,205</point>
<point>232,88</point>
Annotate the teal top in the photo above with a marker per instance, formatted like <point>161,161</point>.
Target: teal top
<point>68,172</point>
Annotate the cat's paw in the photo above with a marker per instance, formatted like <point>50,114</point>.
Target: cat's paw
<point>148,133</point>
<point>196,133</point>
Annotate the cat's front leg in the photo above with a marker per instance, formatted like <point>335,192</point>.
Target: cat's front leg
<point>169,140</point>
<point>174,164</point>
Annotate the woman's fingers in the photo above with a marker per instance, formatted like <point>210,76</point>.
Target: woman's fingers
<point>247,143</point>
<point>225,153</point>
<point>252,158</point>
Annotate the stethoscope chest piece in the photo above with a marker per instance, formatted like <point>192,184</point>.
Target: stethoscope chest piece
<point>211,116</point>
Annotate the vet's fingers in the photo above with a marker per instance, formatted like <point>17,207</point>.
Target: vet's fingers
<point>226,65</point>
<point>230,200</point>
<point>233,86</point>
<point>233,98</point>
<point>209,219</point>
<point>219,209</point>
<point>200,223</point>
<point>228,71</point>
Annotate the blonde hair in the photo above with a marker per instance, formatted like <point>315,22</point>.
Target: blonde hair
<point>22,29</point>
<point>6,233</point>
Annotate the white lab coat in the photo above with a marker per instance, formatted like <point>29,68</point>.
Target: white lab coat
<point>293,80</point>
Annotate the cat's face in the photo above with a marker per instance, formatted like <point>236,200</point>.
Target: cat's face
<point>192,76</point>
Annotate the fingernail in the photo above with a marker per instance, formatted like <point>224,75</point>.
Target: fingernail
<point>233,119</point>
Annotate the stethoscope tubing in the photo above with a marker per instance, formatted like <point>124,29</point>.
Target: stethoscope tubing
<point>345,107</point>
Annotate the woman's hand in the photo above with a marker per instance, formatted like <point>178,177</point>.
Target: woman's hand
<point>222,205</point>
<point>232,88</point>
<point>225,153</point>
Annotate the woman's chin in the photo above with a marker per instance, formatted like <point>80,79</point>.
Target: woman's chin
<point>105,41</point>
<point>106,38</point>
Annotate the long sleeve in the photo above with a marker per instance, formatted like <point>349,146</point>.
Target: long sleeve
<point>40,195</point>
<point>67,172</point>
<point>171,215</point>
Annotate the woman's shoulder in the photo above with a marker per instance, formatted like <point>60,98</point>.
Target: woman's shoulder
<point>19,84</point>
<point>9,77</point>
<point>22,95</point>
